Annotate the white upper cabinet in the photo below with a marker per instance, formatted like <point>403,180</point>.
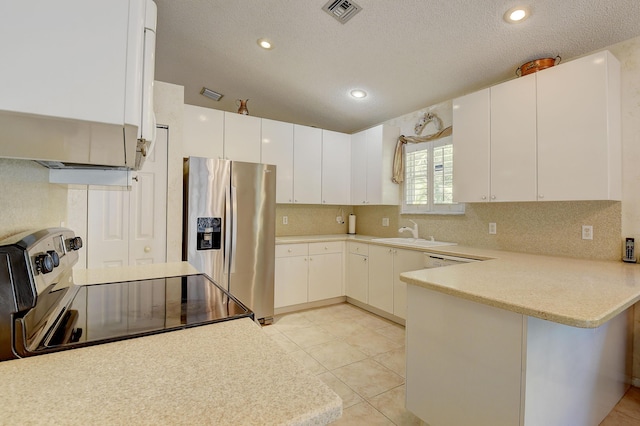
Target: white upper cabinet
<point>372,153</point>
<point>494,143</point>
<point>358,168</point>
<point>550,136</point>
<point>242,137</point>
<point>336,167</point>
<point>277,148</point>
<point>75,78</point>
<point>203,132</point>
<point>307,164</point>
<point>513,140</point>
<point>579,136</point>
<point>471,140</point>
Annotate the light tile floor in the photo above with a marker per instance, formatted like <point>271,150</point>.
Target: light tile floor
<point>361,356</point>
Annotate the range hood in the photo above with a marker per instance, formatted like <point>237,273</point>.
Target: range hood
<point>71,144</point>
<point>82,98</point>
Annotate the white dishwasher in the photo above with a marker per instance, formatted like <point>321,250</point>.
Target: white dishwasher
<point>433,260</point>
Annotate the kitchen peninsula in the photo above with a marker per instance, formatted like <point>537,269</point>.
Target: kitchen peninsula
<point>519,339</point>
<point>224,373</point>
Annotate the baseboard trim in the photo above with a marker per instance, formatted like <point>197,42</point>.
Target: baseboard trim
<point>334,301</point>
<point>309,305</point>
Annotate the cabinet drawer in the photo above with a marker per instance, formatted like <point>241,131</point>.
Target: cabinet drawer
<point>359,248</point>
<point>326,247</point>
<point>288,250</point>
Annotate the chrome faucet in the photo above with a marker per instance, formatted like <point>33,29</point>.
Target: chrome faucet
<point>414,230</point>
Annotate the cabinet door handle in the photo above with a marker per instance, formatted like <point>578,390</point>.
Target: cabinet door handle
<point>540,196</point>
<point>364,259</point>
<point>493,197</point>
<point>484,197</point>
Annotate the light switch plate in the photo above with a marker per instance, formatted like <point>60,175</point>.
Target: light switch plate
<point>385,221</point>
<point>492,228</point>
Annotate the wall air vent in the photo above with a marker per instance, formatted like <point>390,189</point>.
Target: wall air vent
<point>342,10</point>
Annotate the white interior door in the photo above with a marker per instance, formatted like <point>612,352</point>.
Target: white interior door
<point>130,227</point>
<point>107,242</point>
<point>148,207</point>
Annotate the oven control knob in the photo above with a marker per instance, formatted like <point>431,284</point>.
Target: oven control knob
<point>75,243</point>
<point>44,263</point>
<point>54,257</point>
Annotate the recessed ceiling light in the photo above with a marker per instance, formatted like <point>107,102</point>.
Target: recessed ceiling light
<point>358,94</point>
<point>515,15</point>
<point>264,43</point>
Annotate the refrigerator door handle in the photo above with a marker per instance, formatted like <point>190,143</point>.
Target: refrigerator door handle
<point>227,230</point>
<point>234,227</point>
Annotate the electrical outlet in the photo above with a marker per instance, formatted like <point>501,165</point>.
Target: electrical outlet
<point>285,220</point>
<point>492,228</point>
<point>339,219</point>
<point>385,221</point>
<point>587,232</point>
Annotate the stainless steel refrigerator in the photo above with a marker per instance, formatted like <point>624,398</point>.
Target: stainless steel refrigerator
<point>229,227</point>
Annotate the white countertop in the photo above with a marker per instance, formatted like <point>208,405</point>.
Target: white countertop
<point>575,292</point>
<point>229,373</point>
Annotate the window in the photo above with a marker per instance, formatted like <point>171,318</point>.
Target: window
<point>428,178</point>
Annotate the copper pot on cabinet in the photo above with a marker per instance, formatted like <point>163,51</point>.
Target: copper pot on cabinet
<point>537,65</point>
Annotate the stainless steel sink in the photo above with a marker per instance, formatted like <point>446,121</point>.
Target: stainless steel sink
<point>413,242</point>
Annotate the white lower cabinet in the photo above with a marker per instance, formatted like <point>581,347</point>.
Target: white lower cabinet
<point>381,277</point>
<point>325,270</point>
<point>291,270</point>
<point>386,291</point>
<point>358,271</point>
<point>308,272</point>
<point>403,261</point>
<point>516,370</point>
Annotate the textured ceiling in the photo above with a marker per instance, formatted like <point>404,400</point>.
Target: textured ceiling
<point>407,54</point>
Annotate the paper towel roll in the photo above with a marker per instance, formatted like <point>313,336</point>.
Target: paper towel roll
<point>352,223</point>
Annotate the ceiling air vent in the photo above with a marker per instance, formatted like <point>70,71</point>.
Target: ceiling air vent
<point>342,10</point>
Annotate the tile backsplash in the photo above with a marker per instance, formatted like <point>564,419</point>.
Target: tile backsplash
<point>27,199</point>
<point>552,228</point>
<point>305,219</point>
